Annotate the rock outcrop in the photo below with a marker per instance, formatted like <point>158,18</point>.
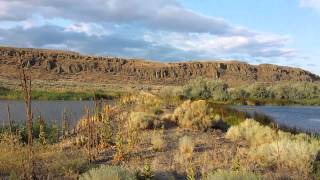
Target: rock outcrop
<point>53,64</point>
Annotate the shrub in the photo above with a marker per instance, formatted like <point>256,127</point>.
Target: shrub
<point>251,131</point>
<point>174,93</point>
<point>108,172</point>
<point>283,150</point>
<point>297,91</point>
<point>203,88</point>
<point>232,175</point>
<point>147,173</point>
<point>197,88</point>
<point>142,120</point>
<point>260,91</point>
<point>295,154</point>
<point>186,147</point>
<point>158,142</point>
<point>219,90</point>
<point>100,123</point>
<point>238,93</point>
<point>195,115</point>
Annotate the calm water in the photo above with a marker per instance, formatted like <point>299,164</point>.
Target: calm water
<point>303,117</point>
<point>50,110</point>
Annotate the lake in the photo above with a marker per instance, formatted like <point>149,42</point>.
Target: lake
<point>302,117</point>
<point>50,110</point>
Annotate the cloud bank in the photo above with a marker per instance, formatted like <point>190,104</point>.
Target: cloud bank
<point>157,29</point>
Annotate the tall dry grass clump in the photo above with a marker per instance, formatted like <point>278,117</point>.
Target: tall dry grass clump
<point>158,142</point>
<point>295,153</point>
<point>194,115</point>
<point>186,147</point>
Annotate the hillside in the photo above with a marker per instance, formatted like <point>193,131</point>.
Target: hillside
<point>54,65</point>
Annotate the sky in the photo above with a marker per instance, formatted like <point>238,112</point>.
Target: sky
<point>282,32</point>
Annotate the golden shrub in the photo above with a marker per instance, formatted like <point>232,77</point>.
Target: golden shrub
<point>277,148</point>
<point>194,115</point>
<point>253,132</point>
<point>141,120</point>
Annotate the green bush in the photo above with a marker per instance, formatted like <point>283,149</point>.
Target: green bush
<point>202,88</point>
<point>260,91</point>
<point>232,175</point>
<point>51,131</point>
<point>56,95</point>
<point>280,93</point>
<point>297,91</point>
<point>233,120</point>
<point>238,93</point>
<point>108,172</point>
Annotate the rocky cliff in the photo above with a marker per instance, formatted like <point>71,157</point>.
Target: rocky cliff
<point>53,65</point>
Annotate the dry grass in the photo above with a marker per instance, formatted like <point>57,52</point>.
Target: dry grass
<point>194,115</point>
<point>51,162</point>
<point>186,147</point>
<point>158,142</point>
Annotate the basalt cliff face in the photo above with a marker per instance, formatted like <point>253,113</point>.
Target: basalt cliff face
<point>55,65</point>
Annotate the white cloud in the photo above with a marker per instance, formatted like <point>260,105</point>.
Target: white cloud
<point>310,3</point>
<point>156,14</point>
<point>90,29</point>
<point>260,45</point>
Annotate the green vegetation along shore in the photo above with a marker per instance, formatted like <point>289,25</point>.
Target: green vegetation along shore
<point>10,94</point>
<point>301,93</point>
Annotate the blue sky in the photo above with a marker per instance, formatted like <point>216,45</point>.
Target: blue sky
<point>283,32</point>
